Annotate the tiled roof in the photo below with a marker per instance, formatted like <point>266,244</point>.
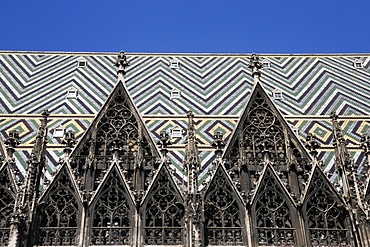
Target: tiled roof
<point>214,86</point>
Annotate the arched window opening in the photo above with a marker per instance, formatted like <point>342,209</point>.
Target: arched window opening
<point>164,213</point>
<point>326,217</point>
<point>273,223</point>
<point>60,214</point>
<point>223,220</point>
<point>111,224</point>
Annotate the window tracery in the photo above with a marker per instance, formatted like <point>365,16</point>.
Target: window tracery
<point>263,131</point>
<point>59,214</point>
<point>325,216</point>
<point>164,213</point>
<point>223,220</point>
<point>7,200</point>
<point>112,214</point>
<point>118,130</point>
<point>274,223</point>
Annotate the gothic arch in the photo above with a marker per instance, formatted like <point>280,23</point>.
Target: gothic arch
<point>60,212</point>
<point>324,212</point>
<point>118,127</point>
<point>112,212</point>
<point>163,211</point>
<point>274,213</point>
<point>224,214</point>
<point>7,201</point>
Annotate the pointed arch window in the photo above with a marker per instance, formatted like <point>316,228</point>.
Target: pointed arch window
<point>273,214</point>
<point>59,214</point>
<point>164,213</point>
<point>325,216</point>
<point>263,132</point>
<point>223,218</point>
<point>7,200</point>
<point>111,214</point>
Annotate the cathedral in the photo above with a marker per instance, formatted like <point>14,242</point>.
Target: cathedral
<point>100,149</point>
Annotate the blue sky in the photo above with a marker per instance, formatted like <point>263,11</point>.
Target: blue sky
<point>262,26</point>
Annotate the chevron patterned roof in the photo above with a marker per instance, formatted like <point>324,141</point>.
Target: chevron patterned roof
<point>214,86</point>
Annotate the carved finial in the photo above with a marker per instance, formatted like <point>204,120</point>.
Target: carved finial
<point>12,142</point>
<point>365,143</point>
<point>191,152</point>
<point>41,137</point>
<point>218,144</point>
<point>45,114</point>
<point>69,141</point>
<point>338,139</point>
<point>255,65</point>
<point>334,116</point>
<point>121,63</point>
<point>191,128</point>
<point>312,145</point>
<point>164,142</point>
<point>13,139</point>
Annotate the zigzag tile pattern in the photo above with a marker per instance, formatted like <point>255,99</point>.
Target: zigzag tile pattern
<point>209,84</point>
<point>216,85</point>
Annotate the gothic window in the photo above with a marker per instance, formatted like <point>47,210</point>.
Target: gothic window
<point>164,212</point>
<point>263,132</point>
<point>223,219</point>
<point>325,216</point>
<point>7,199</point>
<point>59,213</point>
<point>273,214</point>
<point>111,214</point>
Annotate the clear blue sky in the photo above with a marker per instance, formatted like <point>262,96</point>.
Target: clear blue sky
<point>274,26</point>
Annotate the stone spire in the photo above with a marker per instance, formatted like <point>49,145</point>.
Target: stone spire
<point>365,145</point>
<point>121,64</point>
<point>255,65</point>
<point>193,206</point>
<point>191,161</point>
<point>343,162</point>
<point>347,171</point>
<point>11,143</point>
<point>35,165</point>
